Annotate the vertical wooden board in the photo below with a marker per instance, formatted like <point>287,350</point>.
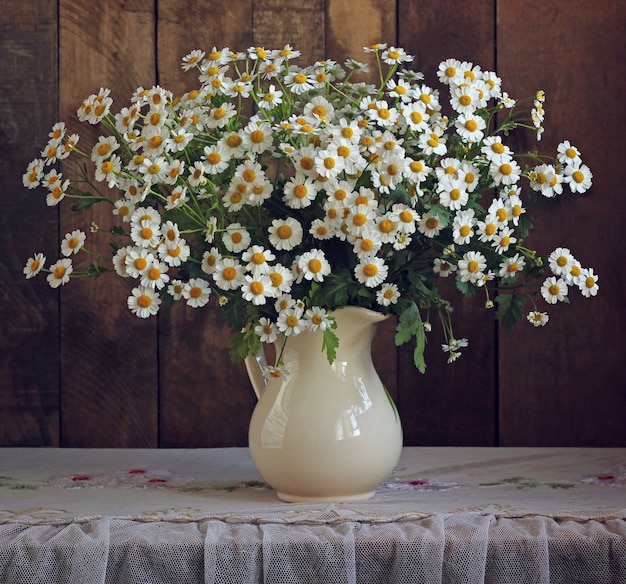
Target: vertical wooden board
<point>108,356</point>
<point>29,392</point>
<point>348,30</point>
<point>451,404</point>
<point>205,399</point>
<point>276,23</point>
<point>562,385</point>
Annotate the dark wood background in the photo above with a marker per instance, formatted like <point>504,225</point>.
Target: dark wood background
<point>78,370</point>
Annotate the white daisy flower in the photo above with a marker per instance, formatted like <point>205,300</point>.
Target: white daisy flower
<point>210,258</point>
<point>257,288</point>
<point>60,273</point>
<point>388,294</point>
<point>463,226</point>
<point>554,290</point>
<point>317,319</point>
<point>471,267</point>
<point>560,261</point>
<point>371,271</point>
<point>236,238</point>
<point>73,242</point>
<point>196,292</point>
<point>291,321</point>
<point>258,259</point>
<point>228,274</point>
<point>314,265</point>
<point>509,267</point>
<point>299,192</point>
<point>285,234</point>
<point>34,265</point>
<point>143,302</point>
<point>137,260</point>
<point>443,267</point>
<point>281,278</point>
<point>578,177</point>
<point>537,318</point>
<point>155,276</point>
<point>266,330</point>
<point>588,283</point>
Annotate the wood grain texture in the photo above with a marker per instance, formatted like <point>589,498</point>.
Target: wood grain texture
<point>451,404</point>
<point>29,372</point>
<point>563,384</point>
<point>350,27</point>
<point>78,369</point>
<point>108,360</point>
<point>205,399</point>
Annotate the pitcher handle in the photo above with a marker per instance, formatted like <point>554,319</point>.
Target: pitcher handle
<point>255,365</point>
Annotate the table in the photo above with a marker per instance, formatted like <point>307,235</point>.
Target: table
<point>540,515</point>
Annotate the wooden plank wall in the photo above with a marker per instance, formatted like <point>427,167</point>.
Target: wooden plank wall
<point>77,369</point>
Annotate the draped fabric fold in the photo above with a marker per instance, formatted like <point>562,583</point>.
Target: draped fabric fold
<point>463,547</point>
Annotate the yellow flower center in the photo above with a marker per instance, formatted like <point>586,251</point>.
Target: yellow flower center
<point>432,223</point>
<point>497,147</point>
<point>590,281</point>
<point>506,169</point>
<point>258,258</point>
<point>59,272</point>
<point>140,264</point>
<point>256,288</point>
<point>465,230</point>
<point>214,158</point>
<point>359,219</point>
<point>370,270</point>
<point>300,78</point>
<point>195,292</point>
<point>107,167</point>
<point>284,232</point>
<point>554,290</point>
<point>386,226</point>
<point>276,279</point>
<point>471,125</point>
<point>146,233</point>
<point>307,163</point>
<point>472,266</point>
<point>578,176</point>
<point>292,321</point>
<point>229,273</point>
<point>154,273</point>
<point>465,100</point>
<point>236,237</point>
<point>315,265</point>
<point>455,194</point>
<point>367,244</point>
<point>144,301</point>
<point>257,136</point>
<point>300,191</point>
<point>561,261</point>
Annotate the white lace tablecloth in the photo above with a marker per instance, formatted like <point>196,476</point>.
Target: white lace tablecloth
<point>509,515</point>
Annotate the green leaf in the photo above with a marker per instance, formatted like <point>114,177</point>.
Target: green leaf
<point>410,327</point>
<point>243,344</point>
<point>329,344</point>
<point>468,290</point>
<point>510,309</point>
